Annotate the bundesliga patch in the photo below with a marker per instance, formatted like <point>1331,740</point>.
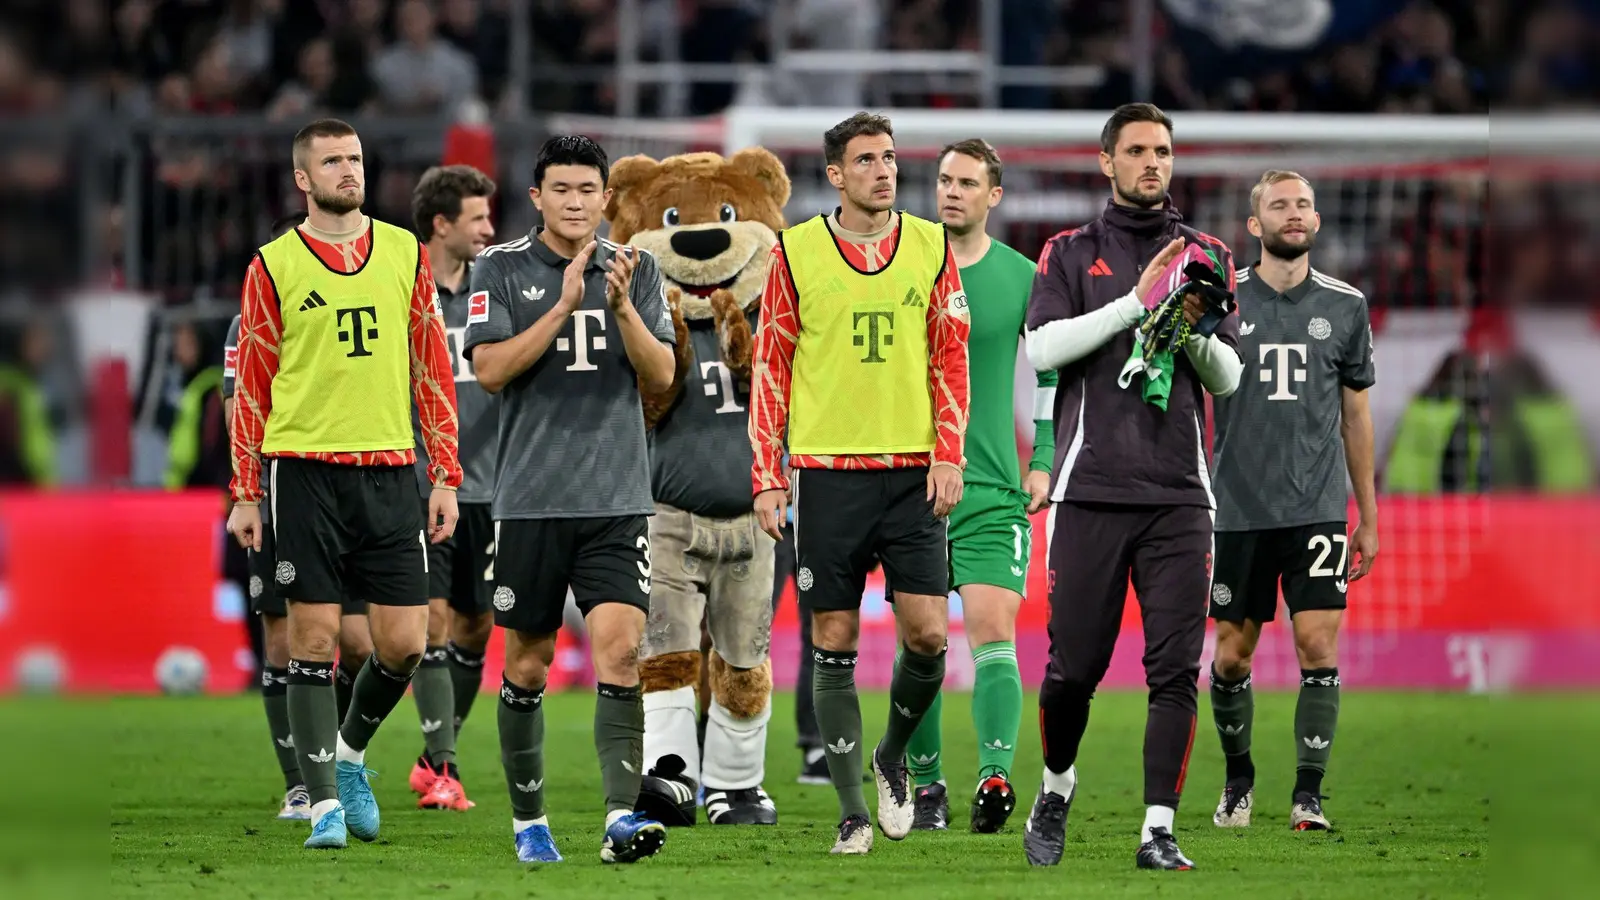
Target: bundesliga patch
<point>230,362</point>
<point>478,307</point>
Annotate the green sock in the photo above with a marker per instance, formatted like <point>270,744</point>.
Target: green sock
<point>436,702</point>
<point>922,752</point>
<point>915,685</point>
<point>619,742</point>
<point>833,682</point>
<point>344,686</point>
<point>1316,715</point>
<point>1233,706</point>
<point>275,697</point>
<point>376,693</point>
<point>466,679</point>
<point>522,748</point>
<point>310,703</point>
<point>996,706</point>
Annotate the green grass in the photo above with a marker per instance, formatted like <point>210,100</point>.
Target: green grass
<point>190,788</point>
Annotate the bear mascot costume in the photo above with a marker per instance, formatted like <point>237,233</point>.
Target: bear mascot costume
<point>711,223</point>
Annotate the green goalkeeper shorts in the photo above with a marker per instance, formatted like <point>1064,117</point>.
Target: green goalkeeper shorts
<point>991,539</point>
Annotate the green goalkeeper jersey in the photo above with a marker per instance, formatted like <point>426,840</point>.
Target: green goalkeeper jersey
<point>997,288</point>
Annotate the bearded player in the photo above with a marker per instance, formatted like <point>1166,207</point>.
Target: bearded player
<point>861,375</point>
<point>265,602</point>
<point>990,535</point>
<point>450,211</point>
<point>338,337</point>
<point>1284,443</point>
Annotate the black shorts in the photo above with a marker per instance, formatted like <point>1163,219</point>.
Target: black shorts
<point>461,570</point>
<point>847,522</point>
<point>1311,560</point>
<point>265,598</point>
<point>536,561</point>
<point>348,531</point>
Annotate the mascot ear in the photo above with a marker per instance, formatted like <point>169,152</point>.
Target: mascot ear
<point>760,163</point>
<point>627,174</point>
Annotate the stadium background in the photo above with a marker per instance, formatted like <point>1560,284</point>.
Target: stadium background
<point>143,153</point>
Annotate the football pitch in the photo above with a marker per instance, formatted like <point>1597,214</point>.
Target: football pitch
<point>191,788</point>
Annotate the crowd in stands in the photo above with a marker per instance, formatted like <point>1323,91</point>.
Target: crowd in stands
<point>293,57</point>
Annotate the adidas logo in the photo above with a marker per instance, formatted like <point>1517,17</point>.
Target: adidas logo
<point>841,746</point>
<point>1099,268</point>
<point>1316,742</point>
<point>1245,328</point>
<point>285,743</point>
<point>912,299</point>
<point>1231,729</point>
<point>321,757</point>
<point>429,726</point>
<point>925,760</point>
<point>904,711</point>
<point>532,785</point>
<point>997,744</point>
<point>314,301</point>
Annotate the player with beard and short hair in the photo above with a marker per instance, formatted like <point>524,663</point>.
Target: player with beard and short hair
<point>338,336</point>
<point>450,212</point>
<point>1284,443</point>
<point>860,374</point>
<point>265,602</point>
<point>990,535</point>
<point>567,327</point>
<point>1132,489</point>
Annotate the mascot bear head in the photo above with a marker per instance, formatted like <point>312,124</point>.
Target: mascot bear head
<point>711,223</point>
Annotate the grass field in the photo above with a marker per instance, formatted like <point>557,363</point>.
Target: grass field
<point>192,788</point>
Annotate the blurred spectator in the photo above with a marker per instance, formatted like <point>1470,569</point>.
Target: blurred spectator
<point>27,434</point>
<point>421,73</point>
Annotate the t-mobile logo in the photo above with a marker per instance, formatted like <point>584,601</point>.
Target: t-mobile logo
<point>719,380</point>
<point>1282,373</point>
<point>580,333</point>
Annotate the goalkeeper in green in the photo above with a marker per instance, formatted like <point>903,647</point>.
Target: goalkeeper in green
<point>990,535</point>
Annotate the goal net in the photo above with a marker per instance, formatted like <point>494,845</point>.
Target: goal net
<point>1405,203</point>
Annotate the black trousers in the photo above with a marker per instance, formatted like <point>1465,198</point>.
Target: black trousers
<point>1093,551</point>
<point>805,710</point>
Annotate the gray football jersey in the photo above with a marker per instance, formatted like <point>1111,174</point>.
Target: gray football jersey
<point>477,410</point>
<point>702,454</point>
<point>1279,457</point>
<point>571,431</point>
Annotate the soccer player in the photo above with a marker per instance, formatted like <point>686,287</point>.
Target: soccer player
<point>265,602</point>
<point>337,336</point>
<point>1284,442</point>
<point>566,327</point>
<point>450,211</point>
<point>990,535</point>
<point>1132,493</point>
<point>861,375</point>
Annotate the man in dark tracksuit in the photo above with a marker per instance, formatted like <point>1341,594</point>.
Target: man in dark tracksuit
<point>1131,488</point>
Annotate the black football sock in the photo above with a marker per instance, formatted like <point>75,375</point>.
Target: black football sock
<point>275,697</point>
<point>466,679</point>
<point>522,748</point>
<point>839,726</point>
<point>436,705</point>
<point>1233,705</point>
<point>344,686</point>
<point>315,727</point>
<point>376,693</point>
<point>914,686</point>
<point>1063,718</point>
<point>1316,716</point>
<point>619,742</point>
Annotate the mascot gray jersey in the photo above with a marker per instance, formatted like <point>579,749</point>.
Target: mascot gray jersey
<point>711,223</point>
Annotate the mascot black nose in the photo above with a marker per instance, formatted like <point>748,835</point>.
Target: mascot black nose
<point>701,243</point>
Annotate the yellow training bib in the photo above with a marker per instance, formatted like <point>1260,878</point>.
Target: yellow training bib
<point>344,363</point>
<point>860,382</point>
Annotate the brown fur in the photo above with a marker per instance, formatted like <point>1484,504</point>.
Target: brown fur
<point>744,692</point>
<point>698,185</point>
<point>670,671</point>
